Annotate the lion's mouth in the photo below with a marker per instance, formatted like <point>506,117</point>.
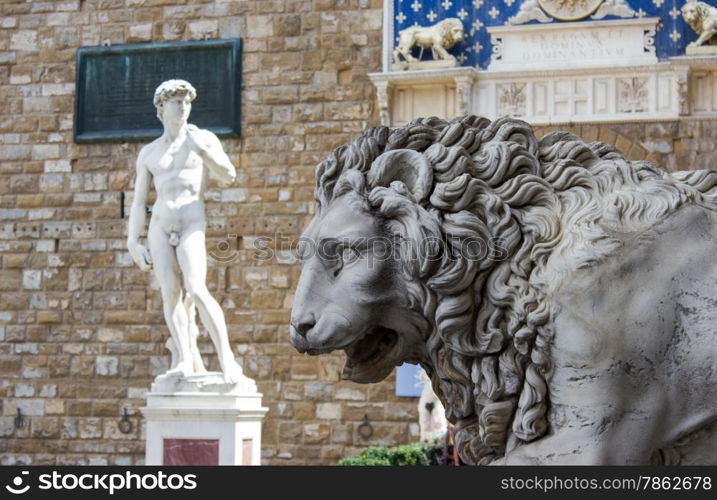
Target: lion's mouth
<point>369,359</point>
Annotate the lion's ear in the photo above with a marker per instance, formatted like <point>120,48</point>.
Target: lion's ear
<point>405,165</point>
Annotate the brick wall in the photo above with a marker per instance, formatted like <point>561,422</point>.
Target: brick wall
<point>81,328</point>
<point>687,144</point>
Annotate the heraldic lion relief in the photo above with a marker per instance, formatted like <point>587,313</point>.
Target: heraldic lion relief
<point>438,38</point>
<point>561,298</point>
<point>702,18</point>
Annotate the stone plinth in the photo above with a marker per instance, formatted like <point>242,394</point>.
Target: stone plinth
<point>701,50</point>
<point>201,420</point>
<point>418,65</point>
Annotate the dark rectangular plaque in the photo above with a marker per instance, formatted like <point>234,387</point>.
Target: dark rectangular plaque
<point>115,87</point>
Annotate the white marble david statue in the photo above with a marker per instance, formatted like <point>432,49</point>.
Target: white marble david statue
<point>179,163</point>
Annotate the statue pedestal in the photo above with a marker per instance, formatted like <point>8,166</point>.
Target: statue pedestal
<point>201,420</point>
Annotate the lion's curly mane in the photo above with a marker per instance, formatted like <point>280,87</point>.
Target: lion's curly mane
<point>445,28</point>
<point>703,11</point>
<point>496,182</point>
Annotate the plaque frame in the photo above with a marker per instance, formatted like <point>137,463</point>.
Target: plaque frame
<point>229,99</point>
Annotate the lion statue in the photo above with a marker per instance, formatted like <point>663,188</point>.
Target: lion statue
<point>702,18</point>
<point>438,38</point>
<point>560,297</point>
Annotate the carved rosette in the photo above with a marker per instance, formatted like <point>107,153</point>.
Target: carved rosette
<point>633,94</point>
<point>569,10</point>
<point>512,99</point>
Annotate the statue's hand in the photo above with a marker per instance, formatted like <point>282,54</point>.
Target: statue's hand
<point>140,255</point>
<point>195,140</point>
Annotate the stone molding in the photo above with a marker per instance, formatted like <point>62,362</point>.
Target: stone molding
<point>667,90</point>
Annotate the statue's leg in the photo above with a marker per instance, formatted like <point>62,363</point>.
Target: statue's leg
<point>193,335</point>
<point>439,51</point>
<point>704,36</point>
<point>174,353</point>
<point>404,48</point>
<point>192,258</point>
<point>407,54</point>
<point>175,314</point>
<point>710,34</point>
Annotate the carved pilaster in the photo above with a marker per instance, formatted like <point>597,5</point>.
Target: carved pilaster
<point>683,91</point>
<point>464,96</point>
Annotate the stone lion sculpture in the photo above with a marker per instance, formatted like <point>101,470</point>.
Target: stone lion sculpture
<point>438,38</point>
<point>702,18</point>
<point>561,298</point>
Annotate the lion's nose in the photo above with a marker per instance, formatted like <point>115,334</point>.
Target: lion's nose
<point>304,324</point>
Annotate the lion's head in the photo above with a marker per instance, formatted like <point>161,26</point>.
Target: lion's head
<point>429,245</point>
<point>451,32</point>
<point>690,12</point>
<point>694,13</point>
<point>352,294</point>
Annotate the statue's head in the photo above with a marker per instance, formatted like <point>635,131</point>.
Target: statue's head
<point>181,93</point>
<point>691,12</point>
<point>452,32</point>
<point>356,292</point>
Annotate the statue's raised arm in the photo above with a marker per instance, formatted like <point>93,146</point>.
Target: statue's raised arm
<point>210,149</point>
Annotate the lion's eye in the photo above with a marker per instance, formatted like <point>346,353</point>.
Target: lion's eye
<point>342,256</point>
<point>349,255</point>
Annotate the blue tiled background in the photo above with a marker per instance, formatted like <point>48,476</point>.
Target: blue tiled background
<point>672,36</point>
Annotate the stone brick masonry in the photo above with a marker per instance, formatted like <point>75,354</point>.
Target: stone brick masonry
<point>81,328</point>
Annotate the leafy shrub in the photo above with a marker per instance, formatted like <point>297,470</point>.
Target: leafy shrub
<point>407,454</point>
<point>436,451</point>
<point>359,460</point>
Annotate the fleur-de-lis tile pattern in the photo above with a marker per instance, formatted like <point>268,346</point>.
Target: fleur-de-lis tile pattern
<point>671,38</point>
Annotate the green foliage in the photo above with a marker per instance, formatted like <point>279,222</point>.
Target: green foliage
<point>407,454</point>
<point>362,461</point>
<point>435,450</point>
<point>377,453</point>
